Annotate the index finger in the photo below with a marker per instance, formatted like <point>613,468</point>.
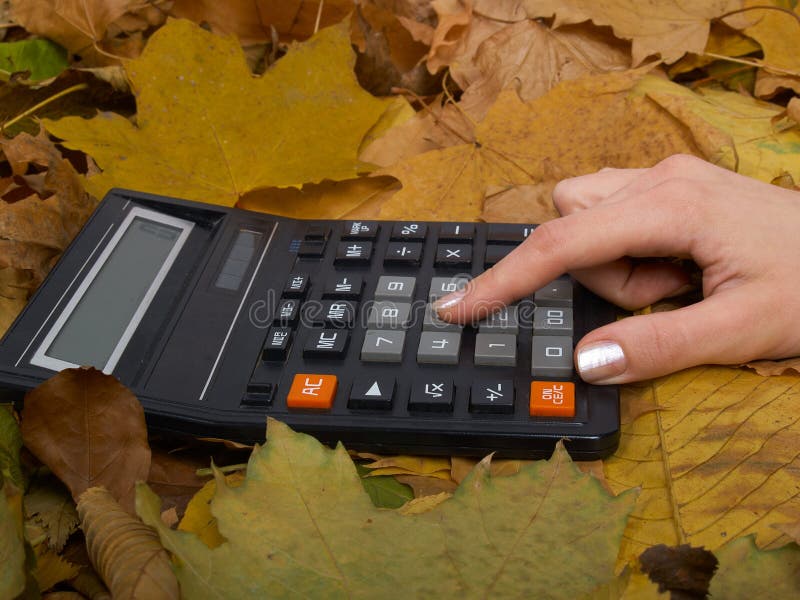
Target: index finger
<point>659,223</point>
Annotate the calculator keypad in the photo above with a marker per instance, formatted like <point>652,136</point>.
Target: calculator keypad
<point>364,307</point>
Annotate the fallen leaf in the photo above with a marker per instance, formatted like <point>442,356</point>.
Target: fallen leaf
<point>417,465</point>
<point>36,59</point>
<point>174,478</point>
<point>746,572</point>
<point>520,204</point>
<point>427,486</point>
<point>679,570</point>
<point>10,446</point>
<point>198,518</point>
<point>319,533</point>
<point>669,28</point>
<point>221,117</point>
<point>125,552</point>
<point>733,131</point>
<point>603,120</point>
<point>251,20</point>
<point>532,59</point>
<point>385,492</point>
<point>52,569</point>
<point>767,368</point>
<point>12,547</point>
<point>49,503</point>
<point>89,430</point>
<point>723,40</point>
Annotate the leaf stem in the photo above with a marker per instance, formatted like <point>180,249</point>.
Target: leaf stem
<point>229,469</point>
<point>319,15</point>
<point>753,62</point>
<point>45,102</point>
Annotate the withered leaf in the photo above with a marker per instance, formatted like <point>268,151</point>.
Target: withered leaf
<point>90,430</point>
<point>50,505</point>
<point>682,569</point>
<point>125,552</point>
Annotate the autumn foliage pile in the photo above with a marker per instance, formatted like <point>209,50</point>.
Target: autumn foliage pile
<point>424,109</point>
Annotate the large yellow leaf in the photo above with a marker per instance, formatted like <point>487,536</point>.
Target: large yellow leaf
<point>733,130</point>
<point>669,28</point>
<point>207,129</point>
<point>601,121</point>
<point>718,460</point>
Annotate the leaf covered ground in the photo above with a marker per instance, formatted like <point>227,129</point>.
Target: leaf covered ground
<point>424,109</point>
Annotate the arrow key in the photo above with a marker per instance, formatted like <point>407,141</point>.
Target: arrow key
<point>372,392</point>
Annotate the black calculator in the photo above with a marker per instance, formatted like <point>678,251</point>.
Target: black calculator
<point>218,318</point>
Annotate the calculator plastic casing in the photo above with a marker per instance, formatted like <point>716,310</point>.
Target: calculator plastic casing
<point>197,338</point>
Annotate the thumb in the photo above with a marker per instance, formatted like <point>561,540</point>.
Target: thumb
<point>647,346</point>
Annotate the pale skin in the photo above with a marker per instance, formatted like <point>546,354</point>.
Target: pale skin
<point>742,233</point>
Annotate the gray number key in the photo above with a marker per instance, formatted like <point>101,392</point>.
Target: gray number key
<point>383,346</point>
<point>432,322</point>
<point>555,293</point>
<point>552,321</point>
<point>388,315</point>
<point>441,286</point>
<point>496,349</point>
<point>505,320</point>
<point>395,288</point>
<point>551,356</point>
<point>439,347</point>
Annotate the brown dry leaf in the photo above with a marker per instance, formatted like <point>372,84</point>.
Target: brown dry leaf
<point>89,430</point>
<point>723,40</point>
<point>50,505</point>
<point>768,368</point>
<point>520,204</point>
<point>669,28</point>
<point>124,551</point>
<point>427,486</point>
<point>533,58</point>
<point>34,230</point>
<point>174,479</point>
<point>602,120</point>
<point>52,569</point>
<point>416,465</point>
<point>252,20</point>
<point>91,28</point>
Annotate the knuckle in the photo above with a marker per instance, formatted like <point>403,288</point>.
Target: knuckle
<point>678,165</point>
<point>564,197</point>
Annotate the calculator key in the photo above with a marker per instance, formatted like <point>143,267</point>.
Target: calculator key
<point>403,253</point>
<point>438,347</point>
<point>552,321</point>
<point>455,232</point>
<point>311,390</point>
<point>505,320</point>
<point>359,230</point>
<point>336,313</point>
<point>372,392</point>
<point>287,312</point>
<point>409,231</point>
<point>277,345</point>
<point>555,293</point>
<point>344,286</point>
<point>453,255</point>
<point>432,322</point>
<point>383,346</point>
<point>385,314</point>
<point>432,395</point>
<point>492,396</point>
<point>496,349</point>
<point>326,343</point>
<point>495,253</point>
<point>311,249</point>
<point>395,288</point>
<point>441,286</point>
<point>317,231</point>
<point>259,393</point>
<point>552,399</point>
<point>353,253</point>
<point>296,285</point>
<point>508,233</point>
<point>551,356</point>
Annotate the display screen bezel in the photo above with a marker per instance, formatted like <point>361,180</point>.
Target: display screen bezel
<point>40,357</point>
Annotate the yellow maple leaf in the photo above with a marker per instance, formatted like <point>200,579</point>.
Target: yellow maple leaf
<point>602,121</point>
<point>669,28</point>
<point>716,461</point>
<point>207,129</point>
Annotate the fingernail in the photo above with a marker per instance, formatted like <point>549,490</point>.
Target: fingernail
<point>600,361</point>
<point>450,300</point>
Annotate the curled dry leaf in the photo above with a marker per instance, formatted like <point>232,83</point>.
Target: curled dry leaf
<point>124,551</point>
<point>90,430</point>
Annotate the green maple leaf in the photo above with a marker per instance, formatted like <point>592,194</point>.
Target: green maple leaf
<point>207,129</point>
<point>301,525</point>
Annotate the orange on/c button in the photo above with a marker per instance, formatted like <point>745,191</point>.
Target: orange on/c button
<point>311,390</point>
<point>552,399</point>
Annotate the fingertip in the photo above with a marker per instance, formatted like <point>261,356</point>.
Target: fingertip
<point>601,362</point>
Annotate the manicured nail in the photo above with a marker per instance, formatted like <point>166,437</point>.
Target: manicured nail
<point>450,300</point>
<point>600,361</point>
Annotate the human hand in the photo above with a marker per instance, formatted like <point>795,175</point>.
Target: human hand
<point>742,233</point>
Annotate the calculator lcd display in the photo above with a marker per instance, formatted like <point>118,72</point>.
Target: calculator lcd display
<point>96,325</point>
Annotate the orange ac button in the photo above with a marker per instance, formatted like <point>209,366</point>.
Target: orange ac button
<point>312,390</point>
<point>552,399</point>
